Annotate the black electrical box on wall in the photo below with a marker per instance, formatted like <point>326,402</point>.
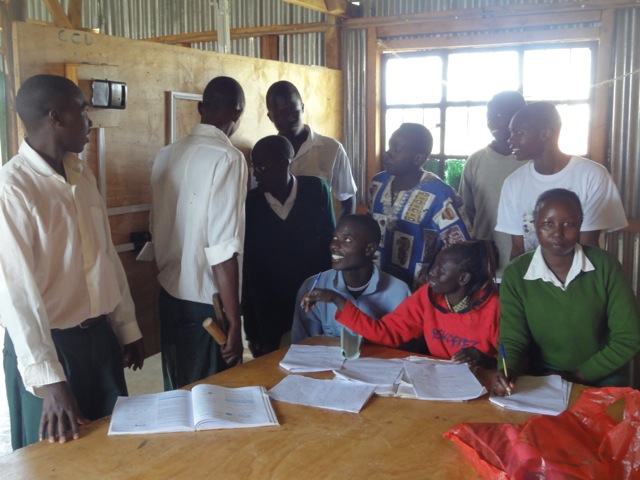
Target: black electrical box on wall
<point>108,94</point>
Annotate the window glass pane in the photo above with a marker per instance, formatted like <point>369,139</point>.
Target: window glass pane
<point>466,130</point>
<point>557,74</point>
<point>429,117</point>
<point>413,80</point>
<point>480,75</point>
<point>574,135</point>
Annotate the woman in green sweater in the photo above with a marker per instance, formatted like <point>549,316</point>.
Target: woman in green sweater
<point>565,308</point>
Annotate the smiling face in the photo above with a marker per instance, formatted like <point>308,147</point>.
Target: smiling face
<point>557,224</point>
<point>350,246</point>
<point>445,277</point>
<point>526,140</point>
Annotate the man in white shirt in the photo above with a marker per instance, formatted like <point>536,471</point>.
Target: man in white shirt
<point>199,187</point>
<point>64,297</point>
<point>315,154</point>
<point>535,129</point>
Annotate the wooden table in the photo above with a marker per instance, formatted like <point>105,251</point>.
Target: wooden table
<point>390,438</point>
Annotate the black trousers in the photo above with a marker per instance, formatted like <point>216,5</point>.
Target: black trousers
<point>92,362</point>
<point>189,353</point>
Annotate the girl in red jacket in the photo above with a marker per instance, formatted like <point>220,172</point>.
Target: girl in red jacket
<point>457,311</point>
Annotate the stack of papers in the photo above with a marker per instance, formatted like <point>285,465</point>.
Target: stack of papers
<point>330,394</point>
<point>383,374</point>
<point>443,381</point>
<point>312,358</point>
<point>355,380</point>
<point>548,395</point>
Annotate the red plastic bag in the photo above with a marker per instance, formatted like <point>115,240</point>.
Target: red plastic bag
<point>584,442</point>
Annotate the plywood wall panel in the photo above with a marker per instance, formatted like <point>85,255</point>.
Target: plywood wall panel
<point>150,71</point>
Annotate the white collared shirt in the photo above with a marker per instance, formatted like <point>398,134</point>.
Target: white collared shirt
<point>282,210</point>
<point>199,186</point>
<point>326,158</point>
<point>58,265</point>
<point>538,268</point>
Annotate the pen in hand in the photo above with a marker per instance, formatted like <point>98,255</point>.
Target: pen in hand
<point>313,286</point>
<point>504,366</point>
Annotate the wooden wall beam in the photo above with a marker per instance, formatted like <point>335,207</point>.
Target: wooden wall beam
<point>60,18</point>
<point>487,24</point>
<point>248,32</point>
<point>332,7</point>
<point>493,39</point>
<point>74,11</point>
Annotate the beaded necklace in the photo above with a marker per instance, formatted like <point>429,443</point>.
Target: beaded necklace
<point>462,305</point>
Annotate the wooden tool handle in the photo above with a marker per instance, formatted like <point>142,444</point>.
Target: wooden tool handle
<point>218,335</point>
<point>219,311</point>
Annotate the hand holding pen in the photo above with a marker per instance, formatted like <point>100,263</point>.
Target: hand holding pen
<point>304,305</point>
<point>505,379</point>
<point>315,295</point>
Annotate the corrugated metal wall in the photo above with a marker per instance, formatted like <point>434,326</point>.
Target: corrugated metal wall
<point>625,136</point>
<point>153,18</point>
<point>355,115</point>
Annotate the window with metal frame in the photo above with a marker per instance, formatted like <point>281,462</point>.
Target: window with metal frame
<point>447,91</point>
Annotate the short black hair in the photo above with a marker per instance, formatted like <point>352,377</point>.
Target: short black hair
<point>40,94</point>
<point>509,100</point>
<point>421,136</point>
<point>561,194</point>
<point>540,115</point>
<point>275,147</point>
<point>368,224</point>
<point>282,88</point>
<point>224,93</point>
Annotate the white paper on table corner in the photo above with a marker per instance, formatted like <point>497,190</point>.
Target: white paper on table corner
<point>147,254</point>
<point>312,358</point>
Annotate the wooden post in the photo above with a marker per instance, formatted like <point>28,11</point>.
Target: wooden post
<point>332,43</point>
<point>14,10</point>
<point>74,11</point>
<point>598,149</point>
<point>270,44</point>
<point>60,18</point>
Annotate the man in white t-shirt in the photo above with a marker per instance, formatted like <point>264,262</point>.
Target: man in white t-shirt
<point>534,135</point>
<point>315,154</point>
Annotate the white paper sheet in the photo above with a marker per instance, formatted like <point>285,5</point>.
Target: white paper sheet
<point>330,394</point>
<point>312,358</point>
<point>147,254</point>
<point>443,381</point>
<point>548,395</point>
<point>384,374</point>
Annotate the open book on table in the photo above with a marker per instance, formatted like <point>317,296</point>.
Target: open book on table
<point>206,407</point>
